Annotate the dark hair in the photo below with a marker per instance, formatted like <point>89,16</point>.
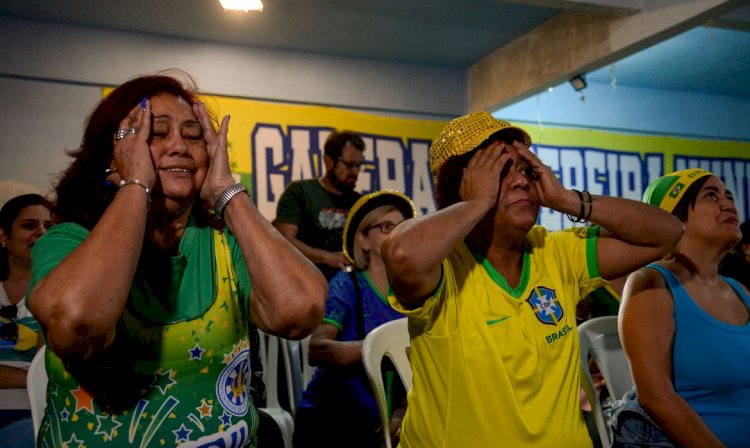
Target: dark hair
<point>8,214</point>
<point>337,141</point>
<point>82,192</point>
<point>452,172</point>
<point>745,228</point>
<point>688,199</point>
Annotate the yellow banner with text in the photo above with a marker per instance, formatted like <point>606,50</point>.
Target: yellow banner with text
<point>272,144</point>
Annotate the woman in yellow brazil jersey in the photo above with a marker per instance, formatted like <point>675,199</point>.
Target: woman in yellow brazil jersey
<point>491,297</point>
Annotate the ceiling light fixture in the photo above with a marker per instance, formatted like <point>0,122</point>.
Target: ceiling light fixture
<point>242,5</point>
<point>578,82</point>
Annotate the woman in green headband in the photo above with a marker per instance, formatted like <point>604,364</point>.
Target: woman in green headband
<point>685,328</point>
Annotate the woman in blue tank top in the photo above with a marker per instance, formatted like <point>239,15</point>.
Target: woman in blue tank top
<point>685,328</point>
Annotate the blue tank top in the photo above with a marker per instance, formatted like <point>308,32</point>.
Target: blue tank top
<point>711,364</point>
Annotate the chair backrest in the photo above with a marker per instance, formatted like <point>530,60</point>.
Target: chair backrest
<point>603,343</point>
<point>270,376</point>
<point>307,369</point>
<point>36,387</point>
<point>293,372</point>
<point>298,370</point>
<point>390,339</point>
<point>600,339</point>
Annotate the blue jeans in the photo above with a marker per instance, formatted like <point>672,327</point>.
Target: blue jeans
<point>17,431</point>
<point>634,428</point>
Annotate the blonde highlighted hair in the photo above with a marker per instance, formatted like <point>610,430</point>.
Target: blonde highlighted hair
<point>361,256</point>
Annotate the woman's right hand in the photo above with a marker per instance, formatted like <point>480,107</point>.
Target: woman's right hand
<point>481,178</point>
<point>131,158</point>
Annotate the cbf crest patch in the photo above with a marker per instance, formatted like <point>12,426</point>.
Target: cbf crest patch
<point>232,387</point>
<point>545,305</point>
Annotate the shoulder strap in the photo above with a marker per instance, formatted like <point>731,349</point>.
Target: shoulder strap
<point>737,286</point>
<point>672,281</point>
<point>359,312</point>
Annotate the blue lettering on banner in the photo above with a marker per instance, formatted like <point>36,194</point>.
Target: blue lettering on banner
<point>603,172</point>
<point>735,173</point>
<point>279,158</point>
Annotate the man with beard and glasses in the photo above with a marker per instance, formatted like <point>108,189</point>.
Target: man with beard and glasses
<point>311,213</point>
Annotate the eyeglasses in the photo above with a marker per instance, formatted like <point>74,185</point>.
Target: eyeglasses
<point>9,330</point>
<point>386,227</point>
<point>351,165</point>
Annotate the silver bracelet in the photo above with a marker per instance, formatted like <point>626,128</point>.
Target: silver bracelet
<point>126,182</point>
<point>226,196</point>
<point>146,188</point>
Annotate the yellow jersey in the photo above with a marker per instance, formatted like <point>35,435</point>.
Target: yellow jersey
<point>499,366</point>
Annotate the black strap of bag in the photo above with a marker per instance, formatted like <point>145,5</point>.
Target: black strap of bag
<point>359,311</point>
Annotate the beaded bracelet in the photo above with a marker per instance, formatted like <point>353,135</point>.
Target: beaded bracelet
<point>590,203</point>
<point>582,215</point>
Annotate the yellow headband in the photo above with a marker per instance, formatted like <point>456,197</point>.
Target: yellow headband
<point>666,191</point>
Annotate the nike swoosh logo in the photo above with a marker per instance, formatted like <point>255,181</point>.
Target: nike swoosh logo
<point>497,321</point>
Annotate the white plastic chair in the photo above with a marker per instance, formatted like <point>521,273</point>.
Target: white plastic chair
<point>36,387</point>
<point>307,369</point>
<point>298,370</point>
<point>390,339</point>
<point>600,339</point>
<point>270,377</point>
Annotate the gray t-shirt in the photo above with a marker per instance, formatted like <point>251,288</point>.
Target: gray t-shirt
<point>319,215</point>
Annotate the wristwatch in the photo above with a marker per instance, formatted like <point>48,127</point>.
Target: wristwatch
<point>227,196</point>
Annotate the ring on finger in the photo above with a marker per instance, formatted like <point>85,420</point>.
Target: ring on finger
<point>121,133</point>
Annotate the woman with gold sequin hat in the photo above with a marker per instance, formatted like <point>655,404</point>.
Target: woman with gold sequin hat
<point>491,296</point>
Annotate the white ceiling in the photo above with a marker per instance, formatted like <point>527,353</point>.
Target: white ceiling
<point>445,33</point>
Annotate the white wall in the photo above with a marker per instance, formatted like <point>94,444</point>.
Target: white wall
<point>630,109</point>
<point>51,75</point>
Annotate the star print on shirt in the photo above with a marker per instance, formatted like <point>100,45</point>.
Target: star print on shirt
<point>196,352</point>
<point>84,400</point>
<point>204,409</point>
<point>226,419</point>
<point>182,434</point>
<point>163,380</point>
<point>106,426</point>
<point>64,414</point>
<point>73,442</point>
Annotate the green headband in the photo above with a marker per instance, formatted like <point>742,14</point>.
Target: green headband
<point>666,191</point>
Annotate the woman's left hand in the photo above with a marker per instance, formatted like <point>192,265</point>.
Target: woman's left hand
<point>551,191</point>
<point>219,176</point>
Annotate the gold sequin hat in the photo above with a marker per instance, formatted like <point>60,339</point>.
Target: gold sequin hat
<point>368,203</point>
<point>465,133</point>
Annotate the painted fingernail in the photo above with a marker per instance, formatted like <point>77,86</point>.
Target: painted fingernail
<point>143,103</point>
